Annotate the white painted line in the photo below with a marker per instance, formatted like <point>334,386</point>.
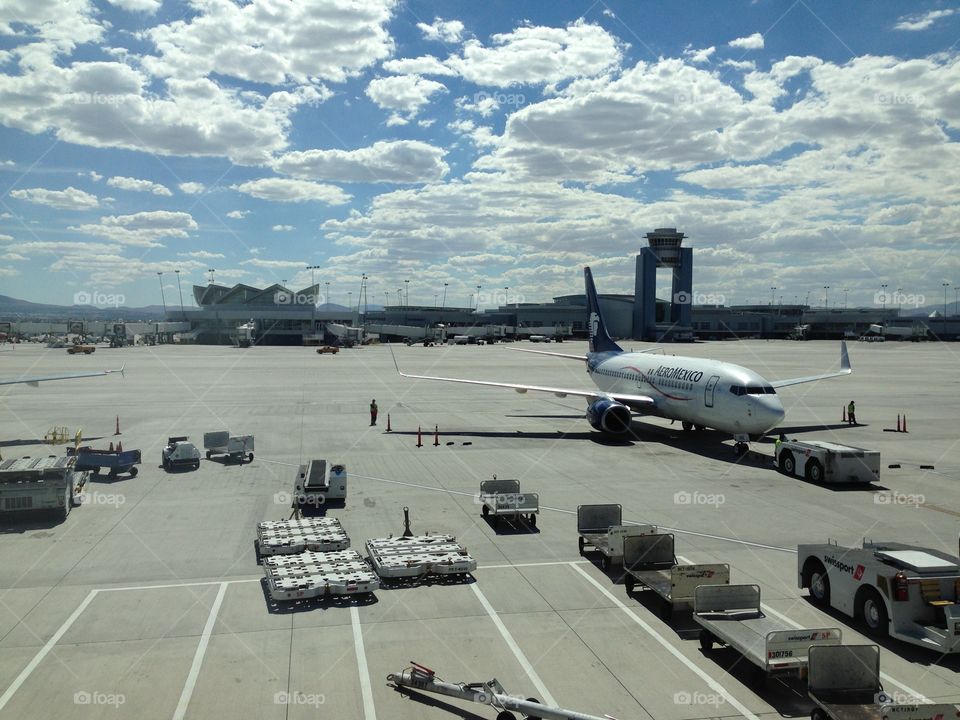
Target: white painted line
<point>532,564</point>
<point>198,656</point>
<point>256,578</point>
<point>369,710</point>
<point>25,673</point>
<point>545,695</point>
<point>713,684</point>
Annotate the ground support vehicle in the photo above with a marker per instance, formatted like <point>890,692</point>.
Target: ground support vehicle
<point>116,461</point>
<point>318,482</point>
<point>235,448</point>
<point>49,483</point>
<point>601,527</point>
<point>731,614</point>
<point>826,462</point>
<point>649,561</point>
<point>418,555</point>
<point>489,693</point>
<point>84,349</point>
<point>328,350</point>
<point>179,452</point>
<point>503,499</point>
<point>318,574</point>
<point>907,592</point>
<point>289,537</point>
<point>844,684</point>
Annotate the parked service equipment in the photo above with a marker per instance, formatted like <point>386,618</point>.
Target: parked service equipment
<point>731,614</point>
<point>289,537</point>
<point>328,350</point>
<point>116,461</point>
<point>649,561</point>
<point>235,448</point>
<point>319,482</point>
<point>503,499</point>
<point>492,693</point>
<point>601,527</point>
<point>43,483</point>
<point>179,452</point>
<point>81,349</point>
<point>405,557</point>
<point>318,574</point>
<point>844,683</point>
<point>826,462</point>
<point>904,591</point>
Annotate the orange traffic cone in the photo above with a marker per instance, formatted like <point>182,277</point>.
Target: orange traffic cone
<point>436,435</point>
<point>898,423</point>
<point>389,429</point>
<point>904,422</point>
<point>111,447</point>
<point>118,426</point>
<point>419,437</point>
<point>119,447</point>
<point>844,413</point>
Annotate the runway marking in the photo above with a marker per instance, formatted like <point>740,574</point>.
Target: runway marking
<point>369,709</point>
<point>714,685</point>
<point>198,656</point>
<point>517,652</point>
<point>790,621</point>
<point>532,564</point>
<point>748,543</point>
<point>25,673</point>
<point>180,585</point>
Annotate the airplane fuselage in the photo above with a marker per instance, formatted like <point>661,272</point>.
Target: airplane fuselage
<point>709,393</point>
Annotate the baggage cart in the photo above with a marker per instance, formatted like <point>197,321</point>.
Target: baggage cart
<point>235,448</point>
<point>116,461</point>
<point>289,537</point>
<point>419,555</point>
<point>503,499</point>
<point>601,527</point>
<point>310,574</point>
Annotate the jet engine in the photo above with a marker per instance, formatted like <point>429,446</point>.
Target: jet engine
<point>609,416</point>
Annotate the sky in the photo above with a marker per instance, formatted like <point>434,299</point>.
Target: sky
<point>502,144</point>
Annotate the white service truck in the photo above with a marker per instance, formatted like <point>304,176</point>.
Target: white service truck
<point>825,462</point>
<point>36,484</point>
<point>907,592</point>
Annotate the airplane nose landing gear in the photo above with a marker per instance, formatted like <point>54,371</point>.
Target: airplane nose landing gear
<point>741,444</point>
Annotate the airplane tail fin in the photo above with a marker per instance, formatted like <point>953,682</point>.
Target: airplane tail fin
<point>599,338</point>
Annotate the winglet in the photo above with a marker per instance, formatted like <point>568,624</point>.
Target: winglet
<point>844,357</point>
<point>395,364</point>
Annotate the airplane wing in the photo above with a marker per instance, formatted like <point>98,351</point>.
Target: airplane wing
<point>633,401</point>
<point>845,369</point>
<point>571,357</point>
<point>34,381</point>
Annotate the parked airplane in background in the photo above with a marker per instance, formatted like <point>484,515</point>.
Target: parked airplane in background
<point>700,393</point>
<point>66,376</point>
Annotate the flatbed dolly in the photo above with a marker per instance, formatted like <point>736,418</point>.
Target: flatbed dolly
<point>503,499</point>
<point>235,448</point>
<point>418,555</point>
<point>318,574</point>
<point>649,561</point>
<point>844,684</point>
<point>601,527</point>
<point>731,615</point>
<point>117,461</point>
<point>289,537</point>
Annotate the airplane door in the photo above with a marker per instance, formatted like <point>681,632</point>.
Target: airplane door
<point>708,391</point>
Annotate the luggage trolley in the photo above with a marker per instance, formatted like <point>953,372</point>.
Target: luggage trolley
<point>318,574</point>
<point>289,537</point>
<point>419,555</point>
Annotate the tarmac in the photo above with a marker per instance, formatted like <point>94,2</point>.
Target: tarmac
<point>147,601</point>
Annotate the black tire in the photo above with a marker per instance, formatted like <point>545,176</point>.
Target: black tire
<point>196,465</point>
<point>209,454</point>
<point>580,543</point>
<point>787,463</point>
<point>666,611</point>
<point>485,511</point>
<point>533,520</point>
<point>604,562</point>
<point>687,425</point>
<point>529,716</point>
<point>629,583</point>
<point>814,471</point>
<point>706,641</point>
<point>820,585</point>
<point>818,714</point>
<point>699,428</point>
<point>506,715</point>
<point>249,457</point>
<point>873,612</point>
<point>133,472</point>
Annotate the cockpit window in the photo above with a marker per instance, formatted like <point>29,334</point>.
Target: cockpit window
<point>753,390</point>
<point>738,389</point>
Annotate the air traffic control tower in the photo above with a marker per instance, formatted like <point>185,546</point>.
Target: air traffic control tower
<point>664,252</point>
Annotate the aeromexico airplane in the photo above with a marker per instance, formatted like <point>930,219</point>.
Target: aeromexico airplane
<point>700,393</point>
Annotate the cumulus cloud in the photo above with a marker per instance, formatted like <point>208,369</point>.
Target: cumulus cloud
<point>238,214</point>
<point>404,94</point>
<point>699,56</point>
<point>141,6</point>
<point>69,199</point>
<point>202,255</point>
<point>143,228</point>
<point>191,188</point>
<point>283,228</point>
<point>136,185</point>
<point>922,22</point>
<point>423,65</point>
<point>286,190</point>
<point>750,42</point>
<point>403,161</point>
<point>448,31</point>
<point>275,264</point>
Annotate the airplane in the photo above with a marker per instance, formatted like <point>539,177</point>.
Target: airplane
<point>698,392</point>
<point>35,381</point>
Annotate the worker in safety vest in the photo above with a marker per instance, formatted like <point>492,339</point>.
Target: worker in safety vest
<point>776,447</point>
<point>851,413</point>
<point>373,412</point>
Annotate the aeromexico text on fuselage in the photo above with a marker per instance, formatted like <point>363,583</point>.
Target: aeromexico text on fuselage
<point>663,372</point>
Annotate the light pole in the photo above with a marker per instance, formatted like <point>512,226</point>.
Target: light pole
<point>806,300</point>
<point>326,300</point>
<point>772,291</point>
<point>845,291</point>
<point>211,271</point>
<point>506,295</point>
<point>443,303</point>
<point>478,296</point>
<point>826,296</point>
<point>944,330</point>
<point>406,294</point>
<point>883,296</point>
<point>180,291</point>
<point>956,298</point>
<point>435,296</point>
<point>313,300</point>
<point>164,299</point>
<point>899,300</point>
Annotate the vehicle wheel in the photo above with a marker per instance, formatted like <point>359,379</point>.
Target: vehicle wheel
<point>700,428</point>
<point>209,454</point>
<point>166,465</point>
<point>133,472</point>
<point>706,641</point>
<point>687,425</point>
<point>629,583</point>
<point>874,612</point>
<point>666,612</point>
<point>814,471</point>
<point>249,457</point>
<point>485,511</point>
<point>533,520</point>
<point>820,586</point>
<point>604,562</point>
<point>818,714</point>
<point>506,715</point>
<point>532,717</point>
<point>787,463</point>
<point>196,465</point>
<point>580,542</point>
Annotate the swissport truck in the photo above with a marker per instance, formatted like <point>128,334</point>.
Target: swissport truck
<point>46,483</point>
<point>907,592</point>
<point>826,462</point>
<point>649,561</point>
<point>601,527</point>
<point>731,615</point>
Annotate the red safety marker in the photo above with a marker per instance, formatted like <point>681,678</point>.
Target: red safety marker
<point>419,437</point>
<point>436,435</point>
<point>904,422</point>
<point>898,423</point>
<point>119,447</point>
<point>389,429</point>
<point>844,413</point>
<point>118,426</point>
<point>111,446</point>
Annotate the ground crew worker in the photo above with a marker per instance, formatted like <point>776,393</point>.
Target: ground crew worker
<point>373,413</point>
<point>851,413</point>
<point>776,447</point>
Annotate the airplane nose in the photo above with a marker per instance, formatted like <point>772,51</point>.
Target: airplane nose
<point>768,412</point>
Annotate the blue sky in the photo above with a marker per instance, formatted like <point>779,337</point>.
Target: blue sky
<point>798,144</point>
